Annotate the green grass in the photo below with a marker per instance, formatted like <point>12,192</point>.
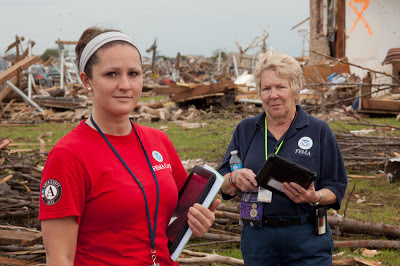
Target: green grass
<point>29,134</point>
<point>208,143</point>
<point>153,98</point>
<point>382,201</point>
<point>25,133</point>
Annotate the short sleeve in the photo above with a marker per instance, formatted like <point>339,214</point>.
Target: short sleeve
<point>64,186</point>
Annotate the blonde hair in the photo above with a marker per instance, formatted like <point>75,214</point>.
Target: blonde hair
<point>285,66</point>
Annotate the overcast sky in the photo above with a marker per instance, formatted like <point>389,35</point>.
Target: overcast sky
<point>185,26</point>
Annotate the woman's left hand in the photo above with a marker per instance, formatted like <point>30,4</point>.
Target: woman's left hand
<point>298,194</point>
<point>200,218</point>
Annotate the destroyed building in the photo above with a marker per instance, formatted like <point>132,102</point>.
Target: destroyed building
<point>354,31</point>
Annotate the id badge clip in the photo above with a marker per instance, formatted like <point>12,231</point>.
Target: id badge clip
<point>264,195</point>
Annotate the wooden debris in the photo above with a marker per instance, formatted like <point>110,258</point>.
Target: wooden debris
<point>12,262</point>
<point>17,68</point>
<point>346,225</point>
<point>60,102</point>
<point>199,258</point>
<point>24,238</point>
<point>5,179</point>
<point>372,244</point>
<point>204,91</point>
<point>4,143</point>
<point>356,262</point>
<point>363,176</point>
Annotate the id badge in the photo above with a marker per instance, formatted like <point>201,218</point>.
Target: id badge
<point>320,221</point>
<point>264,195</point>
<point>251,211</point>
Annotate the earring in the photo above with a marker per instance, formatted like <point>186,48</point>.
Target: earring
<point>89,89</point>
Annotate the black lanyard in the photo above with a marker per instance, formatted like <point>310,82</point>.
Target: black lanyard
<point>152,231</point>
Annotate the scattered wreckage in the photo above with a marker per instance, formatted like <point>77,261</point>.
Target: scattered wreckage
<point>189,84</point>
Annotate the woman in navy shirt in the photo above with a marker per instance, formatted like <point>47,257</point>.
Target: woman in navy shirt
<point>280,230</point>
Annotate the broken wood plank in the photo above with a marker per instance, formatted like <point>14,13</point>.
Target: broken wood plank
<point>7,89</point>
<point>17,68</point>
<point>4,143</point>
<point>363,227</point>
<point>60,102</point>
<point>375,244</point>
<point>24,238</point>
<point>211,236</point>
<point>8,261</point>
<point>5,179</point>
<point>382,105</point>
<point>206,258</point>
<point>204,89</point>
<point>26,252</point>
<point>7,106</point>
<point>363,176</point>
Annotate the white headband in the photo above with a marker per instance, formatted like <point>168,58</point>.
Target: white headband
<point>98,42</point>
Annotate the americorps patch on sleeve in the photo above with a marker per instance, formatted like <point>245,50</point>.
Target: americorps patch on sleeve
<point>51,192</point>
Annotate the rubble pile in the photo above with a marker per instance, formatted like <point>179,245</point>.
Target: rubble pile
<point>20,239</point>
<point>223,82</point>
<point>362,152</point>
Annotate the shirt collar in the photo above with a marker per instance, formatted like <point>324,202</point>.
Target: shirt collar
<point>301,121</point>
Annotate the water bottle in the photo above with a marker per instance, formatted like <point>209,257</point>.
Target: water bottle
<point>235,161</point>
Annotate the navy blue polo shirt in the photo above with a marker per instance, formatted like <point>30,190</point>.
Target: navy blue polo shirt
<point>309,142</point>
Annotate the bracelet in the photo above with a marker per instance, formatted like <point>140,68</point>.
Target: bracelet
<point>319,201</point>
<point>230,181</point>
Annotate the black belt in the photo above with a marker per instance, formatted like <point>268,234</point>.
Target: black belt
<point>274,221</point>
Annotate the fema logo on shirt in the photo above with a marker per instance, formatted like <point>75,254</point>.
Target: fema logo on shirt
<point>51,192</point>
<point>305,143</point>
<point>157,156</point>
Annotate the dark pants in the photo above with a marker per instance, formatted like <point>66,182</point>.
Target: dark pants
<point>292,245</point>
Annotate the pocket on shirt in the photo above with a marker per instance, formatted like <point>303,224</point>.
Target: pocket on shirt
<point>303,160</point>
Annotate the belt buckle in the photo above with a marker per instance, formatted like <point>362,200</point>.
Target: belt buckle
<point>272,221</point>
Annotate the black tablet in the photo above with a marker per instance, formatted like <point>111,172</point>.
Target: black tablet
<point>195,190</point>
<point>277,170</point>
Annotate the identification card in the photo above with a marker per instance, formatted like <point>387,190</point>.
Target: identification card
<point>250,210</point>
<point>264,195</point>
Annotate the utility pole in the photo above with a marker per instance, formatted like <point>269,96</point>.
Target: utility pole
<point>303,34</point>
<point>153,60</point>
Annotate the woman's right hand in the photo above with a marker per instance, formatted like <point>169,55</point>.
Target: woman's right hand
<point>244,179</point>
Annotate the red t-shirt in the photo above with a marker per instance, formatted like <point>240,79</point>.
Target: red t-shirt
<point>84,178</point>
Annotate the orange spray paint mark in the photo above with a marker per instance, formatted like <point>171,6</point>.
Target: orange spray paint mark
<point>366,4</point>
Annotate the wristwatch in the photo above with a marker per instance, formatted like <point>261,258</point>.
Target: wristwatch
<point>319,201</point>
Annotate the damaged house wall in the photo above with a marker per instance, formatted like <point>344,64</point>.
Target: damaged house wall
<point>372,28</point>
<point>322,28</point>
<point>361,30</point>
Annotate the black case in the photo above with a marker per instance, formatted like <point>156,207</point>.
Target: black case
<point>277,170</point>
<point>321,220</point>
